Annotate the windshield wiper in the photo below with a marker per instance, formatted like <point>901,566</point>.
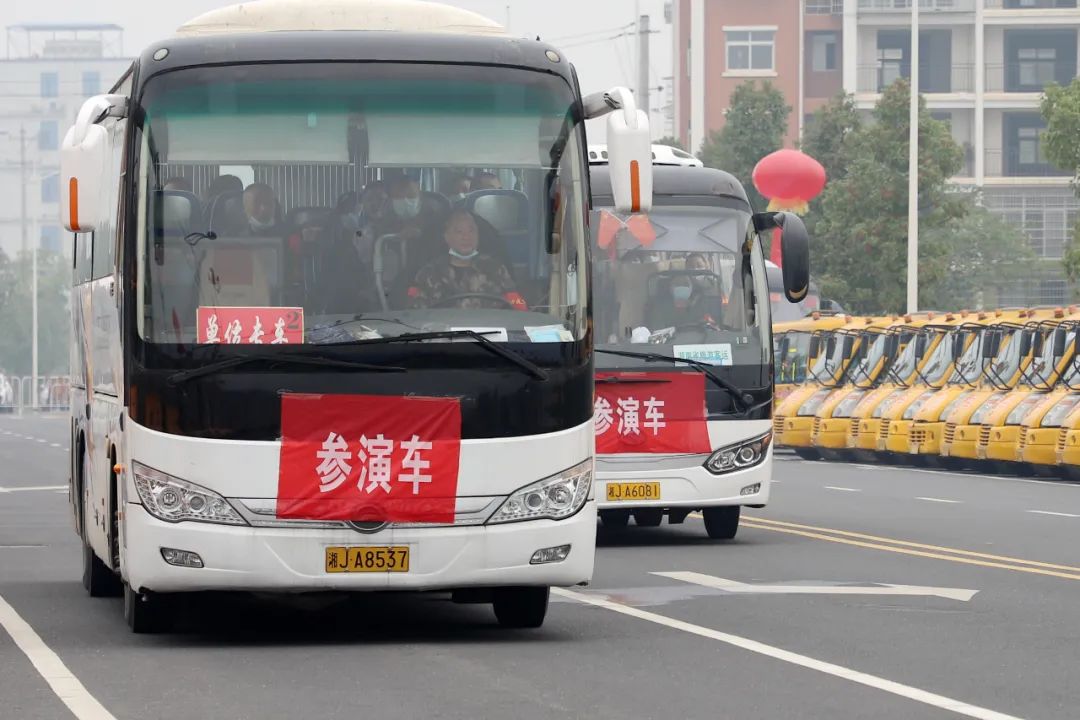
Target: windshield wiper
<point>740,401</point>
<point>184,376</point>
<point>479,336</point>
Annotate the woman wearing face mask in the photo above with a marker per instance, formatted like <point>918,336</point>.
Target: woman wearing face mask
<point>683,304</point>
<point>464,270</point>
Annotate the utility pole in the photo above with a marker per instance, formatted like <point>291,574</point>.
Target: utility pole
<point>24,167</point>
<point>643,65</point>
<point>913,169</point>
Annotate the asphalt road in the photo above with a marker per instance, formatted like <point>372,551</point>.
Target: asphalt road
<point>861,591</point>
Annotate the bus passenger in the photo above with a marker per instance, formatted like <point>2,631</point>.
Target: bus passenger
<point>486,181</point>
<point>683,304</point>
<point>261,208</point>
<point>464,271</point>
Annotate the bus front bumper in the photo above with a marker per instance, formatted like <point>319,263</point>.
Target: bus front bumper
<point>898,438</point>
<point>832,433</point>
<point>963,443</point>
<point>1004,444</point>
<point>793,431</point>
<point>292,559</point>
<point>867,436</point>
<point>925,438</point>
<point>687,487</point>
<point>1040,447</point>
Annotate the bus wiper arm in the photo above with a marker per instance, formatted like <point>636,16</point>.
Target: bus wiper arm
<point>741,403</point>
<point>184,376</point>
<point>479,336</point>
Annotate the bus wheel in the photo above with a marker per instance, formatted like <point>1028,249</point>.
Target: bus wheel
<point>808,454</point>
<point>722,522</point>
<point>649,517</point>
<point>521,607</point>
<point>615,518</point>
<point>144,612</point>
<point>98,579</point>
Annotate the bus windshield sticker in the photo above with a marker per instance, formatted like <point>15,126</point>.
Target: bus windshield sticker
<point>371,458</point>
<point>250,325</point>
<point>549,333</point>
<point>667,416</point>
<point>713,354</point>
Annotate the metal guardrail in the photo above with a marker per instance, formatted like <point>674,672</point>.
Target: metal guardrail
<point>932,78</point>
<point>18,394</point>
<point>924,5</point>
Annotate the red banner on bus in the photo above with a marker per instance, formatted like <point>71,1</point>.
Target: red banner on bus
<point>250,325</point>
<point>369,458</point>
<point>651,412</point>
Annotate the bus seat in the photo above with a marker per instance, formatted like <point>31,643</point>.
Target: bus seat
<point>177,214</point>
<point>507,211</point>
<point>226,214</point>
<point>434,203</point>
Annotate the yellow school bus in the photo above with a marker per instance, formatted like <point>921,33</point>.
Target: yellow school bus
<point>925,363</point>
<point>915,429</point>
<point>885,358</point>
<point>968,425</point>
<point>797,347</point>
<point>794,418</point>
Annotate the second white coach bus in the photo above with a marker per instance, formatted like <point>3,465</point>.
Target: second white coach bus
<point>297,365</point>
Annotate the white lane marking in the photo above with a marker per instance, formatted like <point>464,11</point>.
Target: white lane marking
<point>879,683</point>
<point>1055,514</point>
<point>33,488</point>
<point>733,586</point>
<point>842,489</point>
<point>939,500</point>
<point>56,445</point>
<point>67,687</point>
<point>41,440</point>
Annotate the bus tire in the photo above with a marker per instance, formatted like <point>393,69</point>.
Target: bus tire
<point>144,613</point>
<point>648,517</point>
<point>98,578</point>
<point>521,607</point>
<point>615,518</point>
<point>722,523</point>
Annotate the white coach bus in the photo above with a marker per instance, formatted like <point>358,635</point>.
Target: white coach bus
<point>302,360</point>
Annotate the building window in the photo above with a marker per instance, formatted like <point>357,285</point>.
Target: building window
<point>890,66</point>
<point>1035,66</point>
<point>48,135</point>
<point>823,52</point>
<point>91,82</point>
<point>50,84</point>
<point>750,49</point>
<point>1028,147</point>
<point>50,238</point>
<point>50,188</point>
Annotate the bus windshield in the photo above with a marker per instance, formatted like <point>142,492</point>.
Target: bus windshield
<point>686,279</point>
<point>791,367</point>
<point>315,203</point>
<point>903,368</point>
<point>936,368</point>
<point>864,370</point>
<point>968,368</point>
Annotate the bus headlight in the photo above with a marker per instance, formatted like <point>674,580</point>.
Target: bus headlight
<point>739,456</point>
<point>885,404</point>
<point>810,407</point>
<point>848,404</point>
<point>174,500</point>
<point>553,498</point>
<point>914,408</point>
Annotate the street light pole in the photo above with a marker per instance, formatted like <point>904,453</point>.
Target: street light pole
<point>913,168</point>
<point>24,167</point>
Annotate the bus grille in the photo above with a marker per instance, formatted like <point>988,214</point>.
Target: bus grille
<point>950,433</point>
<point>883,433</point>
<point>853,430</point>
<point>778,425</point>
<point>1063,436</point>
<point>1021,439</point>
<point>918,435</point>
<point>816,430</point>
<point>984,435</point>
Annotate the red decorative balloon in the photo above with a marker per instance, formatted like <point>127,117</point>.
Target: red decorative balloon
<point>789,178</point>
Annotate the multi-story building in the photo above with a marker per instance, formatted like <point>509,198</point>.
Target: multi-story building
<point>47,73</point>
<point>983,65</point>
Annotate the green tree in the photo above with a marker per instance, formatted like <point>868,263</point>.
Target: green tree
<point>826,136</point>
<point>756,121</point>
<point>671,141</point>
<point>860,248</point>
<point>54,285</point>
<point>1061,144</point>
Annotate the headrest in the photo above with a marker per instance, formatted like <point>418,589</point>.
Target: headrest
<point>506,210</point>
<point>177,211</point>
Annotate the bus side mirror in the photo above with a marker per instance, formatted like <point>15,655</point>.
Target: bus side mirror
<point>84,157</point>
<point>849,346</point>
<point>830,346</point>
<point>1061,340</point>
<point>991,344</point>
<point>959,345</point>
<point>815,346</point>
<point>920,345</point>
<point>790,232</point>
<point>1026,342</point>
<point>629,147</point>
<point>892,344</point>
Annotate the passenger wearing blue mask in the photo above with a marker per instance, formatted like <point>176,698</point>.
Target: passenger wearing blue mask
<point>405,216</point>
<point>464,277</point>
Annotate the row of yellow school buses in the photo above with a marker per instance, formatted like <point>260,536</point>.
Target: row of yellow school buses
<point>992,391</point>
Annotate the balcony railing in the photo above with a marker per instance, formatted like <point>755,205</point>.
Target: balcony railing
<point>933,78</point>
<point>824,7</point>
<point>892,6</point>
<point>1030,76</point>
<point>1009,163</point>
<point>1030,4</point>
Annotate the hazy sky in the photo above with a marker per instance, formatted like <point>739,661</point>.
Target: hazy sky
<point>586,27</point>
